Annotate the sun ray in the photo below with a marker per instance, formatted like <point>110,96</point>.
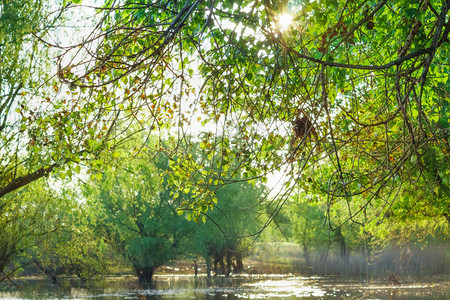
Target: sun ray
<point>285,21</point>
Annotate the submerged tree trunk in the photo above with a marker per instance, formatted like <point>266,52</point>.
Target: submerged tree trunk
<point>218,260</point>
<point>145,274</point>
<point>222,265</point>
<point>306,256</point>
<point>208,270</point>
<point>195,268</point>
<point>229,263</point>
<point>51,272</point>
<point>367,256</point>
<point>239,265</point>
<point>341,241</point>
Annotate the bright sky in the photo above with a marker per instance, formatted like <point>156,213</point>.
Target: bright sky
<point>285,21</point>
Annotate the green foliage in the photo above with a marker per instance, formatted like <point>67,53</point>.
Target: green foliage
<point>308,221</point>
<point>27,219</point>
<point>359,85</point>
<point>73,248</point>
<point>135,215</point>
<point>350,102</point>
<point>45,127</point>
<point>24,60</point>
<point>233,224</point>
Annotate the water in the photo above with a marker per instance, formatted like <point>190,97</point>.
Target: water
<point>237,287</point>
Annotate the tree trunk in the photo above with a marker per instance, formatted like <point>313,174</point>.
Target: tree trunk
<point>195,268</point>
<point>208,270</point>
<point>52,273</point>
<point>366,255</point>
<point>145,274</point>
<point>216,261</point>
<point>306,256</point>
<point>229,263</point>
<point>341,241</point>
<point>222,265</point>
<point>239,265</point>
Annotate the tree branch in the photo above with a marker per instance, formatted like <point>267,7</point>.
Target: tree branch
<point>396,62</point>
<point>24,180</point>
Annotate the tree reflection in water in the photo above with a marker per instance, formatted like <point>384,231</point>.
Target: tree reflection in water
<point>238,287</point>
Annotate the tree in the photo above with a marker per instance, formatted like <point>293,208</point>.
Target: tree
<point>414,217</point>
<point>46,127</point>
<point>134,214</point>
<point>22,24</point>
<point>309,227</point>
<point>360,85</point>
<point>231,227</point>
<point>27,218</point>
<point>73,248</point>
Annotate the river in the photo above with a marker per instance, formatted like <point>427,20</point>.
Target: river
<point>236,287</point>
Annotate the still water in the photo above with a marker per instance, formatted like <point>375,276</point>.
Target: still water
<point>237,287</point>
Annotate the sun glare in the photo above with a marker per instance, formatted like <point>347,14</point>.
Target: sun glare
<point>284,21</point>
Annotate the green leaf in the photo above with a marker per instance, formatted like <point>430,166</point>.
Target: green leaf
<point>411,12</point>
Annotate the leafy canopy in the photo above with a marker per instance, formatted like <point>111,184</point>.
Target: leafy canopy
<point>353,95</point>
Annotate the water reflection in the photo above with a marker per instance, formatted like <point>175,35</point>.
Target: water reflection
<point>292,287</point>
<point>238,287</point>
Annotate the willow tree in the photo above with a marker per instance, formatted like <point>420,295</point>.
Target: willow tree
<point>351,96</point>
<point>133,213</point>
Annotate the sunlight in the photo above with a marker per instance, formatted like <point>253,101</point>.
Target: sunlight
<point>285,21</point>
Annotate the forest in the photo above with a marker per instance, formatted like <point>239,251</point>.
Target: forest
<point>138,134</point>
